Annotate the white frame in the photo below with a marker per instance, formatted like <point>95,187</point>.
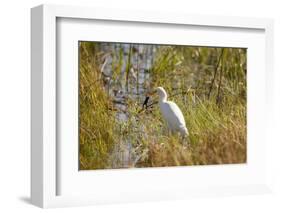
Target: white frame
<point>43,121</point>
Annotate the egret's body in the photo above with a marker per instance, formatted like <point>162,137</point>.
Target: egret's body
<point>171,113</point>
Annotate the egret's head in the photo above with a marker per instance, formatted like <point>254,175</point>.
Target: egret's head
<point>161,93</point>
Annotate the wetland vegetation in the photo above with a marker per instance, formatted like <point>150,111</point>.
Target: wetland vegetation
<point>117,131</point>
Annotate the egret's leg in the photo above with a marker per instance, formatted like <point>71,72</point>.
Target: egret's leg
<point>170,129</point>
<point>186,141</point>
<point>184,136</point>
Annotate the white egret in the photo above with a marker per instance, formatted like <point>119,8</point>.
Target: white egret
<point>171,113</point>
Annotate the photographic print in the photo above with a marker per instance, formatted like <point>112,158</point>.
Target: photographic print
<point>151,105</point>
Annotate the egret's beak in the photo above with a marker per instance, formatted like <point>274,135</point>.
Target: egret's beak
<point>145,103</point>
<point>149,94</point>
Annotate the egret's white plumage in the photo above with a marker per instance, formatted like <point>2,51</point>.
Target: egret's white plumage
<point>171,113</point>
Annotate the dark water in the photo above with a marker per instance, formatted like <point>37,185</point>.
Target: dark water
<point>132,80</point>
<point>126,77</point>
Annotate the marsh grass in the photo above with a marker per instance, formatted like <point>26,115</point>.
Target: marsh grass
<point>214,106</point>
<point>97,120</point>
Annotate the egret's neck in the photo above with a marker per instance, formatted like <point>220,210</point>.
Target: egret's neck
<point>163,97</point>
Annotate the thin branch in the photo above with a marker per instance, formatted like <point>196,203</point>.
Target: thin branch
<point>138,69</point>
<point>218,99</point>
<point>128,67</point>
<point>215,74</point>
<point>148,106</point>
